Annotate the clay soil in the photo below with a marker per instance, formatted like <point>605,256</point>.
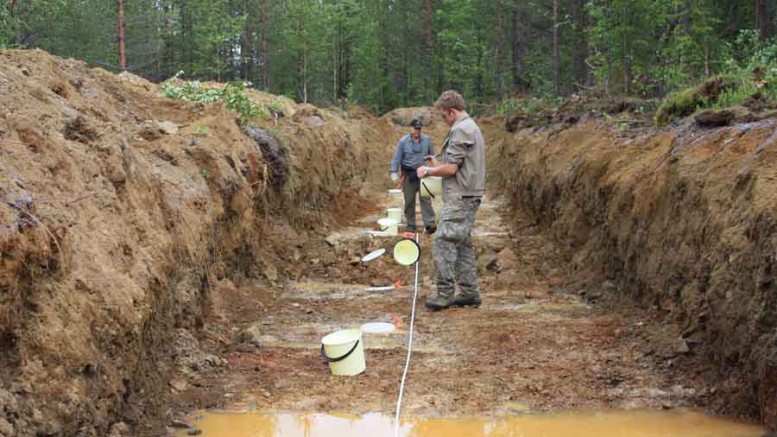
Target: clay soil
<point>537,344</point>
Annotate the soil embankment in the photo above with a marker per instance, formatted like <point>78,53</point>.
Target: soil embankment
<point>682,221</point>
<point>121,211</point>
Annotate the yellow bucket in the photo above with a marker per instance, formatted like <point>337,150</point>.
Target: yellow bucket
<point>395,214</point>
<point>406,252</point>
<point>431,186</point>
<point>344,351</point>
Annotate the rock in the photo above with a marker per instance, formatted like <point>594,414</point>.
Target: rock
<point>179,385</point>
<point>506,260</point>
<point>180,424</point>
<point>6,429</point>
<point>168,128</point>
<point>681,347</point>
<point>487,262</point>
<point>119,429</point>
<point>333,239</point>
<point>270,272</point>
<point>194,431</point>
<point>251,335</point>
<point>296,254</point>
<point>152,130</point>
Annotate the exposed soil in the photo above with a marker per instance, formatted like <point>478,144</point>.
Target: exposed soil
<point>535,345</point>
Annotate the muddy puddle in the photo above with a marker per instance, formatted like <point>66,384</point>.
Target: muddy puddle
<point>679,423</point>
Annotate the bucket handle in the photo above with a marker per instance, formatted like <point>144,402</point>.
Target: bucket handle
<point>427,189</point>
<point>329,359</point>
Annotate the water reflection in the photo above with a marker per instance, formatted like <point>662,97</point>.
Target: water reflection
<point>680,423</point>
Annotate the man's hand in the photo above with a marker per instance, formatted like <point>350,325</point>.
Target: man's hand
<point>422,172</point>
<point>394,177</point>
<point>431,161</point>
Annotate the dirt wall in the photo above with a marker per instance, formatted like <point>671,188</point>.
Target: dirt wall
<point>680,221</point>
<point>120,210</point>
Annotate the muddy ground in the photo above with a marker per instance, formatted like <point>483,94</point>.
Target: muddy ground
<point>538,343</point>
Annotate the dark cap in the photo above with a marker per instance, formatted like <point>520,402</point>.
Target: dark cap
<point>416,123</point>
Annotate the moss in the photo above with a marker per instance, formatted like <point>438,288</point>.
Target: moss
<point>686,102</point>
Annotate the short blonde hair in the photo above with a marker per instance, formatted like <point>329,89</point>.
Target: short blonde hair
<point>450,99</point>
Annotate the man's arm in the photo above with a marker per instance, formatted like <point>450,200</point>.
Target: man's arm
<point>458,145</point>
<point>397,160</point>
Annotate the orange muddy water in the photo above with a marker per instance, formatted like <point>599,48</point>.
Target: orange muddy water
<point>678,423</point>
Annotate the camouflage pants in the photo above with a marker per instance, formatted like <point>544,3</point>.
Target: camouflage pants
<point>454,255</point>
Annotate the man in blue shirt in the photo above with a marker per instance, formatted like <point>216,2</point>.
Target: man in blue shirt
<point>409,156</point>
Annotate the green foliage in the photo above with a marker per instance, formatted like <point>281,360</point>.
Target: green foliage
<point>233,95</point>
<point>530,105</point>
<point>191,91</point>
<point>750,75</point>
<point>386,53</point>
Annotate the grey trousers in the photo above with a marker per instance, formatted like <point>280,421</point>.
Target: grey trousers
<point>411,190</point>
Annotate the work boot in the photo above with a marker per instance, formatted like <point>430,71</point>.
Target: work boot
<point>466,301</point>
<point>431,229</point>
<point>439,302</point>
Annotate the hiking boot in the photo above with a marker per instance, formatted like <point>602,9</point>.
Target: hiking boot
<point>439,302</point>
<point>431,229</point>
<point>466,301</point>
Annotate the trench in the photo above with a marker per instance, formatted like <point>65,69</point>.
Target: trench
<point>538,358</point>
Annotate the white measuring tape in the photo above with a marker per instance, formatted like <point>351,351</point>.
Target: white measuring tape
<point>409,347</point>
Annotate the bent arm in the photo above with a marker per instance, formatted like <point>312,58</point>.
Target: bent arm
<point>397,160</point>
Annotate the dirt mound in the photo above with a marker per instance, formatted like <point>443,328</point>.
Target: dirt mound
<point>682,221</point>
<point>120,211</point>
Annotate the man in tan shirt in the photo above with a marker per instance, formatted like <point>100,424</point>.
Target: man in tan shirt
<point>462,165</point>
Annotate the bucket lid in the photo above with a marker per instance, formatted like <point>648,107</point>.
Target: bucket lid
<point>372,255</point>
<point>377,328</point>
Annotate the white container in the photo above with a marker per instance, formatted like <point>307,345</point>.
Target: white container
<point>431,186</point>
<point>344,351</point>
<point>395,214</point>
<point>389,226</point>
<point>395,192</point>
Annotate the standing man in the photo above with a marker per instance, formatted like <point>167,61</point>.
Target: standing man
<point>462,164</point>
<point>411,150</point>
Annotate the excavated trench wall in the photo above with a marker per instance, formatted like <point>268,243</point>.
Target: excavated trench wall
<point>682,220</point>
<point>120,210</point>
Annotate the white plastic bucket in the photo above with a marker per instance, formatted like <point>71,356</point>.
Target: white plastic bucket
<point>389,226</point>
<point>344,351</point>
<point>395,192</point>
<point>431,186</point>
<point>395,214</point>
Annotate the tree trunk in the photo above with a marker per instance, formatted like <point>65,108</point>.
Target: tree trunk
<point>499,50</point>
<point>556,79</point>
<point>517,47</point>
<point>763,19</point>
<point>247,51</point>
<point>264,44</point>
<point>120,31</point>
<point>580,44</point>
<point>427,47</point>
<point>627,55</point>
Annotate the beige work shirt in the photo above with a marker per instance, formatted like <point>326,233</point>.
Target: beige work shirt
<point>466,148</point>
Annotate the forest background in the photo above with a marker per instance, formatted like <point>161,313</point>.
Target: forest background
<point>384,54</point>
